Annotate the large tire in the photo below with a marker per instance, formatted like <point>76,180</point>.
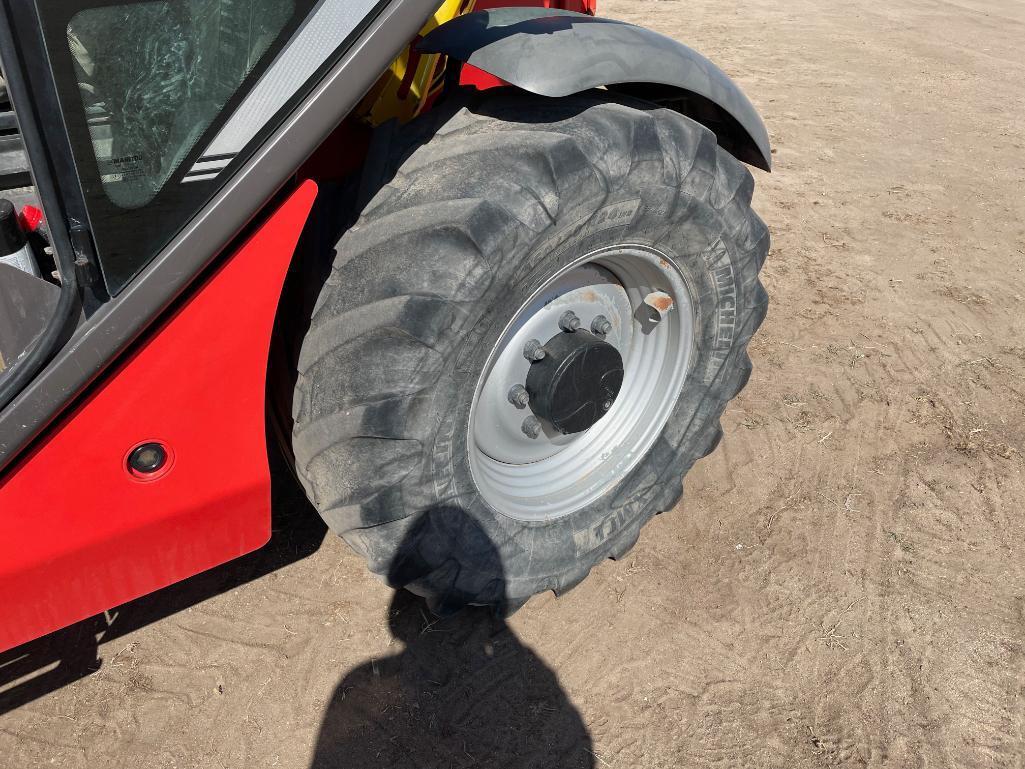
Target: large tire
<point>485,202</point>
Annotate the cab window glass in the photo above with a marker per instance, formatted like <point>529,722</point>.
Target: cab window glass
<point>154,76</point>
<point>164,100</point>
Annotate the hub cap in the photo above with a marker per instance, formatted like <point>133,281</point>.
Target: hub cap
<point>576,382</point>
<point>597,401</point>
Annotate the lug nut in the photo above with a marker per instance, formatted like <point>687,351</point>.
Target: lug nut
<point>519,397</point>
<point>533,350</point>
<point>659,304</point>
<point>531,427</point>
<point>569,322</point>
<point>601,325</point>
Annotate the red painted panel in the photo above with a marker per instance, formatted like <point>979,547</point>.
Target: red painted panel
<point>478,78</point>
<point>78,533</point>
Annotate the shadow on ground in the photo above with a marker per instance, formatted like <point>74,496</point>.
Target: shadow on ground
<point>461,692</point>
<point>39,667</point>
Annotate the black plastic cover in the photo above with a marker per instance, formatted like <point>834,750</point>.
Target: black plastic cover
<point>556,53</point>
<point>27,304</point>
<point>577,381</point>
<point>12,238</point>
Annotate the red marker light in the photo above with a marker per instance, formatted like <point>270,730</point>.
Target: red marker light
<point>30,218</point>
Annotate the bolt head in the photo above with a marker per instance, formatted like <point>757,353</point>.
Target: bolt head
<point>531,427</point>
<point>533,350</point>
<point>569,322</point>
<point>519,397</point>
<point>601,325</point>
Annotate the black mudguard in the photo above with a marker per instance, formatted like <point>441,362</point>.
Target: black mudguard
<point>557,53</point>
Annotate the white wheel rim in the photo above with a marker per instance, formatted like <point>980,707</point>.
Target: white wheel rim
<point>552,475</point>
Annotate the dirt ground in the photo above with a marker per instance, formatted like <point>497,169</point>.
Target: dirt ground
<point>844,582</point>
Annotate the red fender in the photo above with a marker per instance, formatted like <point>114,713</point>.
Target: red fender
<point>79,533</point>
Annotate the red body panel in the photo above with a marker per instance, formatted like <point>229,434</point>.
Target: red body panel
<point>478,78</point>
<point>78,533</point>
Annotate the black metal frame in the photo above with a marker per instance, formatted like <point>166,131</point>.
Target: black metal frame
<point>46,146</point>
<point>14,172</point>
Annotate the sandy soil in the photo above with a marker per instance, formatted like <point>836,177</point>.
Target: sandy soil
<point>844,583</point>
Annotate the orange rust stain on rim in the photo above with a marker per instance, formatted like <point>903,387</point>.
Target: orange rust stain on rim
<point>660,301</point>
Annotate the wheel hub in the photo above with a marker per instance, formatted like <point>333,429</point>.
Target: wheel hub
<point>576,382</point>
